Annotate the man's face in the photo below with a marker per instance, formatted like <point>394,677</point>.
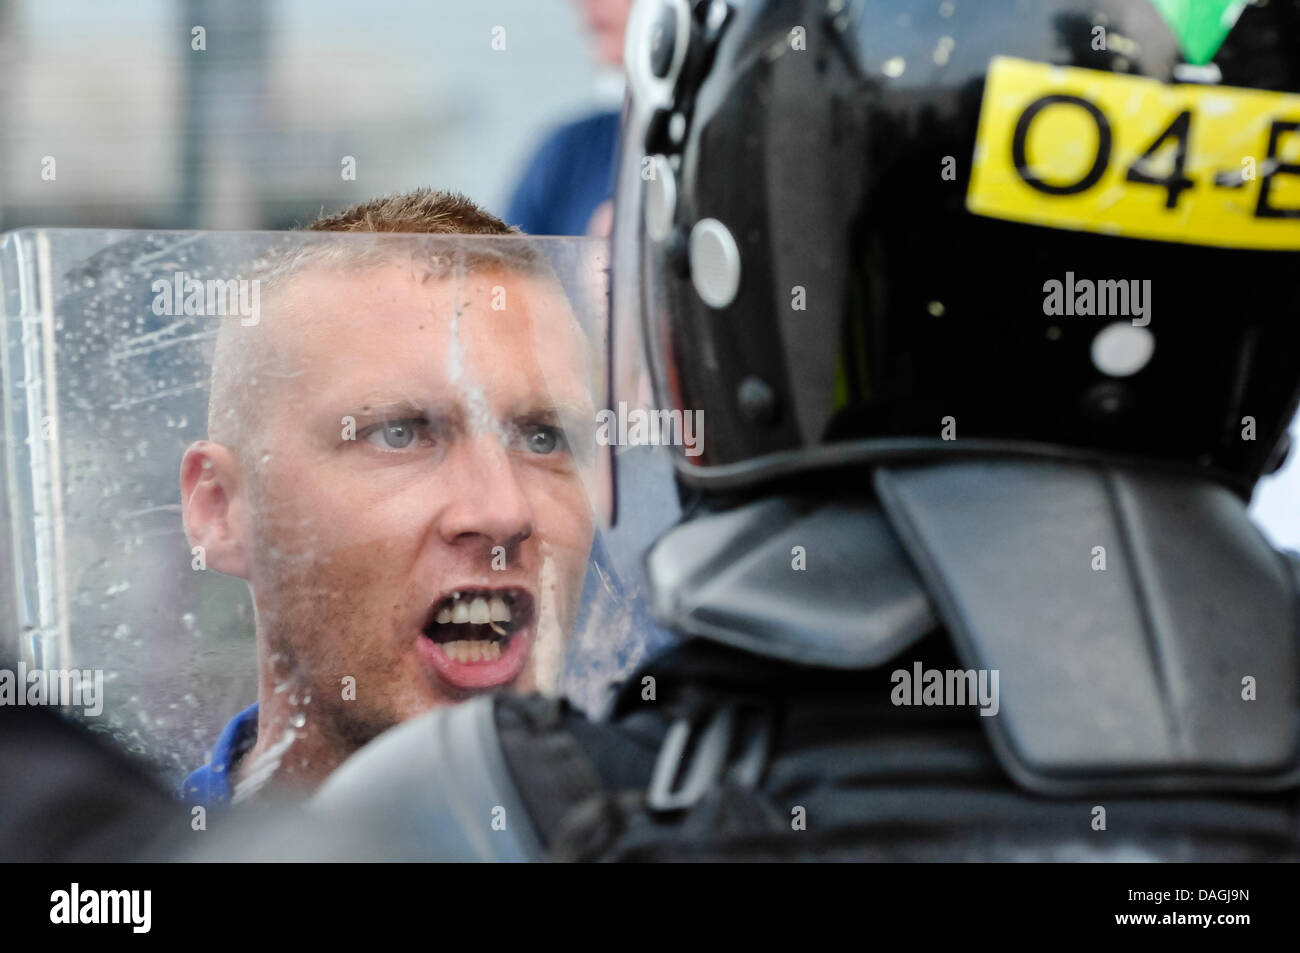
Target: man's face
<point>607,21</point>
<point>419,521</point>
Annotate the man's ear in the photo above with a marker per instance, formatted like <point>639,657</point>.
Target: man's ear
<point>213,506</point>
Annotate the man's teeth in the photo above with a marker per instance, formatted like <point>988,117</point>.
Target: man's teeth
<point>476,611</point>
<point>472,650</point>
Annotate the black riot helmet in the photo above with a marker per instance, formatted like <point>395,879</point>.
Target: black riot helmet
<point>863,231</point>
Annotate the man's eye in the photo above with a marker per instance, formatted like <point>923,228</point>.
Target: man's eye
<point>544,440</point>
<point>394,434</point>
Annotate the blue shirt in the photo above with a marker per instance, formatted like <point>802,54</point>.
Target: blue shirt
<point>570,175</point>
<point>210,784</point>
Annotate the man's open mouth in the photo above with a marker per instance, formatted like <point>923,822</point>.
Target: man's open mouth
<point>478,625</point>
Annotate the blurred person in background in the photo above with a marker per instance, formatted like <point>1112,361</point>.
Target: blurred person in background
<point>567,187</point>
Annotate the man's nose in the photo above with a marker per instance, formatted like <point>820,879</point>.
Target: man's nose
<point>487,503</point>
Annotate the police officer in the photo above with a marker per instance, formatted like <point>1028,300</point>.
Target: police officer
<point>989,308</point>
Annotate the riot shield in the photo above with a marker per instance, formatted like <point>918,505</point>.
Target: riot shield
<point>348,477</point>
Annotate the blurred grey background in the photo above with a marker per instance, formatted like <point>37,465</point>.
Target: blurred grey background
<point>252,131</point>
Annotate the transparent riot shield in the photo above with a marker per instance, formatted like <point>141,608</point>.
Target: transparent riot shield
<point>344,477</point>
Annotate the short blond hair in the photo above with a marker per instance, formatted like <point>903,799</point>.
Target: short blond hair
<point>424,211</point>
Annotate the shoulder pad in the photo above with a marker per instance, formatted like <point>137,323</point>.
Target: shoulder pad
<point>1127,613</point>
<point>438,784</point>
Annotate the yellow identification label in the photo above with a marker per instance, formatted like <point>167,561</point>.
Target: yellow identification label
<point>1103,152</point>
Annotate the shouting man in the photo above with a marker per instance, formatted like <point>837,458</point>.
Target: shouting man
<point>399,458</point>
